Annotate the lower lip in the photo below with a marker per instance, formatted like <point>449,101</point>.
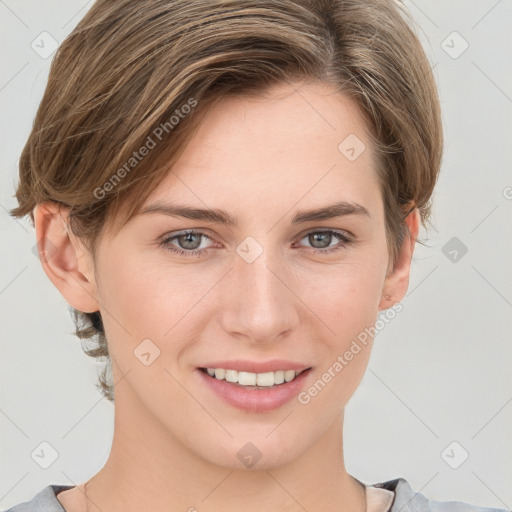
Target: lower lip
<point>255,400</point>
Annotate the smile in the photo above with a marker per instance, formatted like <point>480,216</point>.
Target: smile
<point>253,392</point>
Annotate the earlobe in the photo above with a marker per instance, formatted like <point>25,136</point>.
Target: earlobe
<point>67,263</point>
<point>397,280</point>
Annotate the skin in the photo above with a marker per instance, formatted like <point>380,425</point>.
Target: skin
<point>175,442</point>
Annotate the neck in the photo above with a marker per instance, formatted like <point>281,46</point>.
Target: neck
<point>149,469</point>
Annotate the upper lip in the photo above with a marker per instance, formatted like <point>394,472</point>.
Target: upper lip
<point>256,366</point>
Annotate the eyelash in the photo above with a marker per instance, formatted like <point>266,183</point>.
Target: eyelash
<point>199,252</point>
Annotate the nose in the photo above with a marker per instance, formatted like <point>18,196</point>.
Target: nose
<point>259,302</point>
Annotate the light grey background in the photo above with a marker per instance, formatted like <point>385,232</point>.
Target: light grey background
<point>440,371</point>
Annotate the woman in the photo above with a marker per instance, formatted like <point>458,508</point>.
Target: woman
<point>227,194</point>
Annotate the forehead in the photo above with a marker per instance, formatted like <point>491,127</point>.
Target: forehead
<point>289,120</point>
<point>287,146</point>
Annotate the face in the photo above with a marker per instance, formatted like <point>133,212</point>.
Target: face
<point>273,290</point>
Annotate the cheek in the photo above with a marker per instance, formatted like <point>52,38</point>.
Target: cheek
<point>165,303</point>
<point>346,296</point>
<point>149,322</point>
<point>346,304</point>
<point>141,301</point>
<point>146,297</point>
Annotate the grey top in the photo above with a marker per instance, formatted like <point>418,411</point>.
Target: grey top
<point>406,500</point>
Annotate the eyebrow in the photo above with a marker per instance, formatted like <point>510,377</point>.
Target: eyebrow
<point>217,216</point>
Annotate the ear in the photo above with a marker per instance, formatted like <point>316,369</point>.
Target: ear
<point>397,279</point>
<point>65,260</point>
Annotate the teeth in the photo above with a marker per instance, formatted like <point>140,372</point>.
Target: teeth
<point>231,376</point>
<point>279,377</point>
<point>246,378</point>
<point>289,375</point>
<point>267,379</point>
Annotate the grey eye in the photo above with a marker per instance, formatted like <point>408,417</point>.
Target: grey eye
<point>189,241</point>
<point>320,240</point>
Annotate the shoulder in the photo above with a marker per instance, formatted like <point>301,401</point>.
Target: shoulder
<point>44,501</point>
<point>407,500</point>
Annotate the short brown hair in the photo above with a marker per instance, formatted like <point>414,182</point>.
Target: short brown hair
<point>129,67</point>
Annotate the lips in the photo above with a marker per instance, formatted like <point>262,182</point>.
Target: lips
<point>255,399</point>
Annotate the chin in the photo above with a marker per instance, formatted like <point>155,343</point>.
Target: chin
<point>252,452</point>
